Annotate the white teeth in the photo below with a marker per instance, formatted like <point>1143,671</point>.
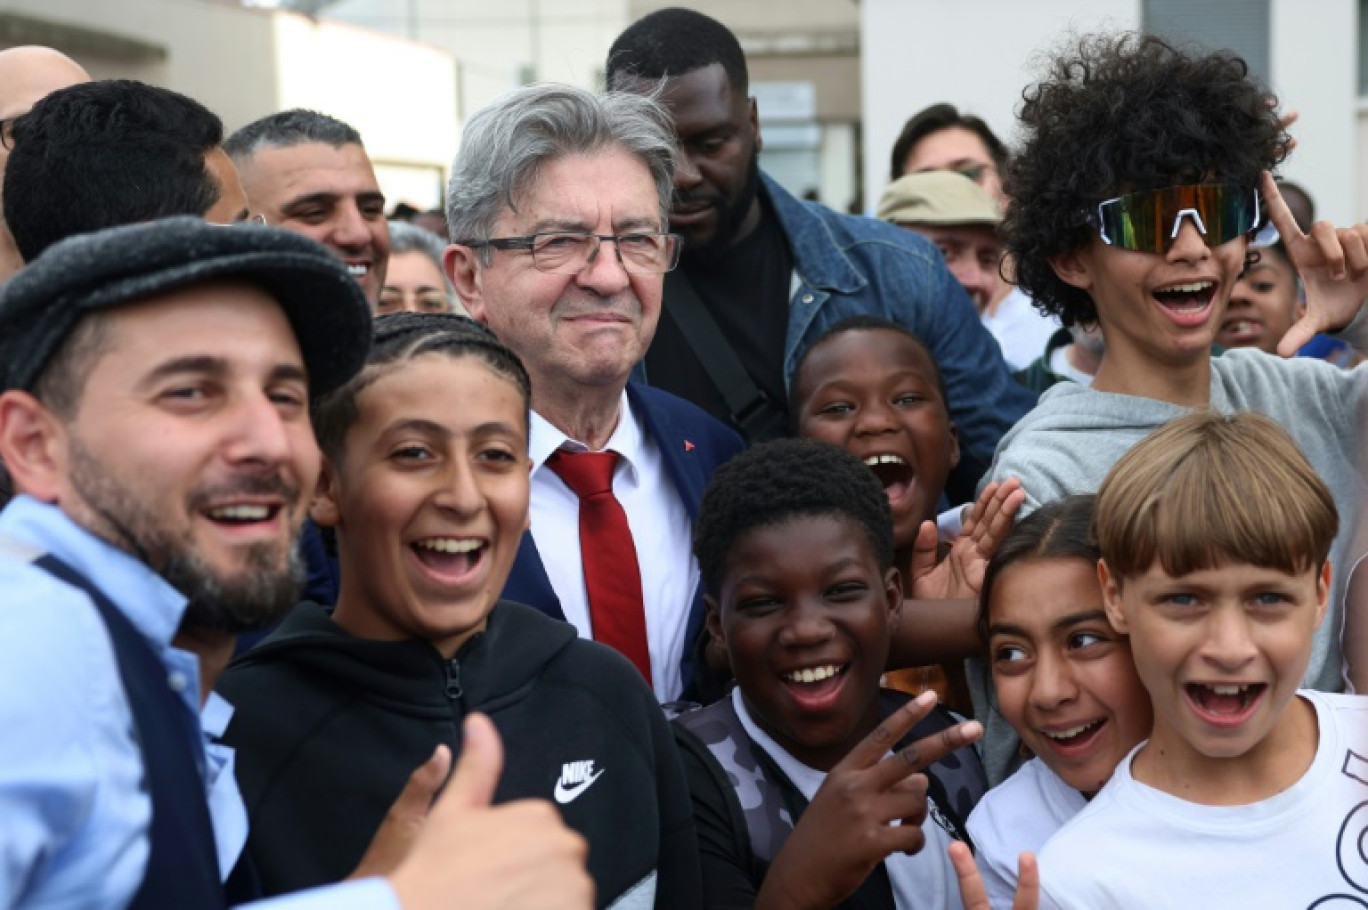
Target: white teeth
<point>357,271</point>
<point>240,513</point>
<point>1070,733</point>
<point>1193,288</point>
<point>1228,690</point>
<point>813,674</point>
<point>450,545</point>
<point>873,460</point>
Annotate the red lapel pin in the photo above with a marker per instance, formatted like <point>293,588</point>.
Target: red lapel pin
<point>688,446</point>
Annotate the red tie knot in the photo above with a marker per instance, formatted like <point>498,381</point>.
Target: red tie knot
<point>587,473</point>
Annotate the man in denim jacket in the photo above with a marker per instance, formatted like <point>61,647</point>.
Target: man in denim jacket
<point>774,271</point>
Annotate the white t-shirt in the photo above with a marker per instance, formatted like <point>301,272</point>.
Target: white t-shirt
<point>923,881</point>
<point>1021,813</point>
<point>1135,846</point>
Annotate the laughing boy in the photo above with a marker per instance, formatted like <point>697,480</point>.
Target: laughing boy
<point>1249,792</point>
<point>1144,170</point>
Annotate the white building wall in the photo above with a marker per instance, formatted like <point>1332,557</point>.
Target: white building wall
<point>222,56</point>
<point>974,54</point>
<point>499,46</point>
<point>1314,55</point>
<point>245,63</point>
<point>402,99</point>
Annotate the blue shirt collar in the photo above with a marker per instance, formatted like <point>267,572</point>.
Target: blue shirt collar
<point>153,606</point>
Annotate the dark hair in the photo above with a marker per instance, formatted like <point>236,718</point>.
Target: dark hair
<point>1057,530</point>
<point>102,154</point>
<point>286,129</point>
<point>399,338</point>
<point>862,323</point>
<point>779,481</point>
<point>939,117</point>
<point>1116,114</point>
<point>673,42</point>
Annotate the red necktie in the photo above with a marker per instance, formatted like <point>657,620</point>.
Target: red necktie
<point>611,573</point>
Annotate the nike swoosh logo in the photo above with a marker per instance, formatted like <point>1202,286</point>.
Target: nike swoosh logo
<point>564,794</point>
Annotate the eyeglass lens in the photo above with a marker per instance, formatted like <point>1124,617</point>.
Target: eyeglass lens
<point>571,252</point>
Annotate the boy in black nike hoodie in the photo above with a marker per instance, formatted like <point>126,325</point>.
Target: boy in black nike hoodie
<point>425,480</point>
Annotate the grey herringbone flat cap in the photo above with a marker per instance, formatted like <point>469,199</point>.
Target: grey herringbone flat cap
<point>43,303</point>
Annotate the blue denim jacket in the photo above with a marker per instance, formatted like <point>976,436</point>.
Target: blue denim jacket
<point>847,265</point>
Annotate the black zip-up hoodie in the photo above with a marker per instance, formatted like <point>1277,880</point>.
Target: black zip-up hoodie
<point>328,728</point>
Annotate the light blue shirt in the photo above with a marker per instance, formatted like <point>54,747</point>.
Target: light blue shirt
<point>74,814</point>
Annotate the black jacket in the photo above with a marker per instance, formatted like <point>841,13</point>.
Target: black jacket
<point>328,727</point>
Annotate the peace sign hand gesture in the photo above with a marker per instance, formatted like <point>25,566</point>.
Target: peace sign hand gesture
<point>871,805</point>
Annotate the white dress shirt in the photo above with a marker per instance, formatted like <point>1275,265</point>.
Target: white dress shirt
<point>661,532</point>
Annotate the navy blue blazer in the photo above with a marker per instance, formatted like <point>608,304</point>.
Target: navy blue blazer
<point>692,444</point>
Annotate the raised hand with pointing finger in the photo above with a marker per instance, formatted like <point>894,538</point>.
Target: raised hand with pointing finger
<point>1332,262</point>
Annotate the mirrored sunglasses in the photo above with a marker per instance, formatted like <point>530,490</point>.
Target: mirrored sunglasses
<point>1149,221</point>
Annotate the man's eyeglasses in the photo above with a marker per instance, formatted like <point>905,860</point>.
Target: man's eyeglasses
<point>571,252</point>
<point>1149,221</point>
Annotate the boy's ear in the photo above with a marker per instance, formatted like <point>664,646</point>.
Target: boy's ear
<point>1111,597</point>
<point>324,509</point>
<point>33,446</point>
<point>1072,269</point>
<point>893,595</point>
<point>1322,593</point>
<point>954,446</point>
<point>713,621</point>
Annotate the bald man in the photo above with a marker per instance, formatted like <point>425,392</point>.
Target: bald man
<point>27,75</point>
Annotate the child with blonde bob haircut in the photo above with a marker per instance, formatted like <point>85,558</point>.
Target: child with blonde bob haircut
<point>1214,533</point>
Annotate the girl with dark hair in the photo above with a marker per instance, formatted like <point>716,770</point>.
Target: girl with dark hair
<point>1064,680</point>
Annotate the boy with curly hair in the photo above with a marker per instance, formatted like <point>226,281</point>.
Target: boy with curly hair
<point>1143,172</point>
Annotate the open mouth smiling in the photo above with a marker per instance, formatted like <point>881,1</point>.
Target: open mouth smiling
<point>817,674</point>
<point>1189,297</point>
<point>894,473</point>
<point>450,558</point>
<point>243,513</point>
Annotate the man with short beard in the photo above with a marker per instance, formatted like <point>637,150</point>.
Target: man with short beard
<point>155,383</point>
<point>763,273</point>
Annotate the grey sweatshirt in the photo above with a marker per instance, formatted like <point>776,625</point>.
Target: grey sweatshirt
<point>1069,442</point>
